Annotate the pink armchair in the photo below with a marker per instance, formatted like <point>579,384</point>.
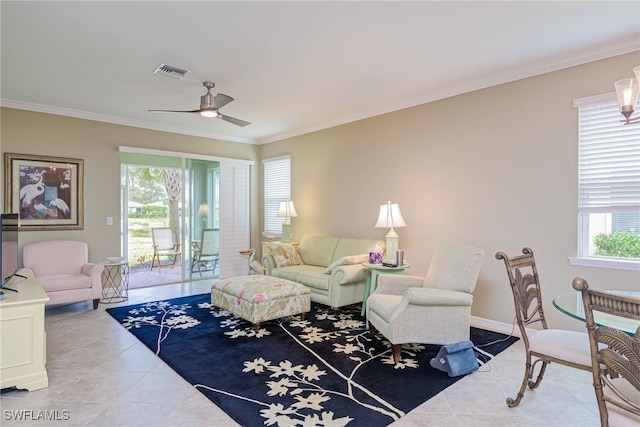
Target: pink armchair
<point>63,270</point>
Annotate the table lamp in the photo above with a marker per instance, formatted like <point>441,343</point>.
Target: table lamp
<point>287,211</point>
<point>203,210</point>
<point>390,217</point>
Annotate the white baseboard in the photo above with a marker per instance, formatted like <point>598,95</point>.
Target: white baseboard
<point>494,325</point>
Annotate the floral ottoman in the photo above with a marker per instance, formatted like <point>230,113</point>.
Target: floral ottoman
<point>258,298</point>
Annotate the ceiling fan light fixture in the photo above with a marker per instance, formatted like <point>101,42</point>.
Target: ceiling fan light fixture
<point>628,92</point>
<point>209,106</point>
<point>209,113</point>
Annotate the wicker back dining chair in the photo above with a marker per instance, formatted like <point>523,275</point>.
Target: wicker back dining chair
<point>542,345</point>
<point>615,356</point>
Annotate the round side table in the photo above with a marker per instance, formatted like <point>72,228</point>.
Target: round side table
<point>115,282</point>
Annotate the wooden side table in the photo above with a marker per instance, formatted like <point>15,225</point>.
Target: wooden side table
<point>374,271</point>
<point>115,282</point>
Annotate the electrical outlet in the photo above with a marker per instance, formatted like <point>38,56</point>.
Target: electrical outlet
<point>109,220</point>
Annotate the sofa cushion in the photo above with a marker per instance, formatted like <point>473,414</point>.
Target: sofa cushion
<point>284,255</point>
<point>64,282</point>
<point>318,250</point>
<point>313,277</point>
<point>347,246</point>
<point>290,272</point>
<point>347,260</point>
<point>308,275</point>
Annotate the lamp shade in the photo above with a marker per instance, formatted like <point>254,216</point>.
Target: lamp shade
<point>390,216</point>
<point>627,91</point>
<point>203,209</point>
<point>287,210</point>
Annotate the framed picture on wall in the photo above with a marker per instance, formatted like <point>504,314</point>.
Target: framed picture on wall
<point>46,192</point>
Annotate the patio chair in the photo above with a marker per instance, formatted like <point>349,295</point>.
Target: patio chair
<point>206,252</point>
<point>163,245</point>
<point>569,348</point>
<point>615,356</point>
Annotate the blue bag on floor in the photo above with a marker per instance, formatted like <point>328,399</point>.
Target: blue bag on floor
<point>456,359</point>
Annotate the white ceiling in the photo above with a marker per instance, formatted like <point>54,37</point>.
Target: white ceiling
<point>292,67</point>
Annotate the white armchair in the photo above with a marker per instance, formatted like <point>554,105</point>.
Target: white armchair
<point>435,309</point>
<point>63,270</point>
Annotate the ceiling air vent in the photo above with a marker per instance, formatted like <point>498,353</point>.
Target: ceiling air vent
<point>170,71</point>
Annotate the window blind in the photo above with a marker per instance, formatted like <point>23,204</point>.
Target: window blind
<point>609,160</point>
<point>277,188</point>
<point>234,218</point>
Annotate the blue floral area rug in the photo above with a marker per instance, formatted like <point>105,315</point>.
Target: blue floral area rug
<point>325,370</point>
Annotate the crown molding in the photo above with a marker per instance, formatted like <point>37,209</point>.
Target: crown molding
<point>556,63</point>
<point>58,111</point>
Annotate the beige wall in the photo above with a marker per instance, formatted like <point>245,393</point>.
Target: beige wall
<point>496,168</point>
<point>97,143</point>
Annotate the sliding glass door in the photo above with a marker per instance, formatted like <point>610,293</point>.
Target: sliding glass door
<point>204,194</point>
<point>188,194</point>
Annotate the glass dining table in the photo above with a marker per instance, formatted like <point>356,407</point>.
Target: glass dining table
<point>570,303</point>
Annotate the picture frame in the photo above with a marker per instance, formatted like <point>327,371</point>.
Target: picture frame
<point>46,192</point>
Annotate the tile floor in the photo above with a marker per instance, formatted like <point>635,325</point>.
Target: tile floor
<point>141,276</point>
<point>102,376</point>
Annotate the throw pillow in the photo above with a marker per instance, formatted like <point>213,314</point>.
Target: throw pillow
<point>285,255</point>
<point>347,260</point>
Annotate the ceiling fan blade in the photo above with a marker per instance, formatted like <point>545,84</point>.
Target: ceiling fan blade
<point>209,106</point>
<point>220,100</point>
<point>176,111</point>
<point>233,120</point>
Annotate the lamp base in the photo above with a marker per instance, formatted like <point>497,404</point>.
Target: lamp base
<point>286,233</point>
<point>392,246</point>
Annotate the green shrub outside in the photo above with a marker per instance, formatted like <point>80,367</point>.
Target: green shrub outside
<point>621,244</point>
<point>150,212</point>
<point>140,232</point>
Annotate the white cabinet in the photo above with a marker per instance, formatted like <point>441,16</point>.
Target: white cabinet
<point>23,351</point>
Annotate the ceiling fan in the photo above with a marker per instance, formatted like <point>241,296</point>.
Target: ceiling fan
<point>209,106</point>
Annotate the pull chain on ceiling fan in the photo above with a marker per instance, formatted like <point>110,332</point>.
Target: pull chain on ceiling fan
<point>209,106</point>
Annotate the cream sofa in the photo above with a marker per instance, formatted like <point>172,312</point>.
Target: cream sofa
<point>330,266</point>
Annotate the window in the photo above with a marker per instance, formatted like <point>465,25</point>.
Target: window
<point>608,185</point>
<point>277,188</point>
